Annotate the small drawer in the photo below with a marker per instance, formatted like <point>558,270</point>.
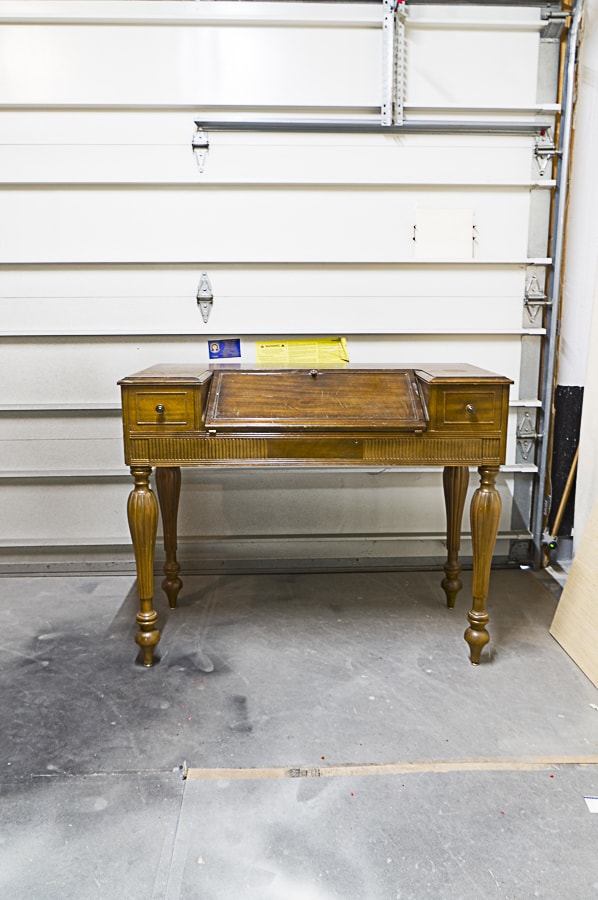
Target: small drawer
<point>172,410</point>
<point>458,409</point>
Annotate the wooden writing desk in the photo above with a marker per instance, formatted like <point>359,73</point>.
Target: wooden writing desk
<point>193,415</point>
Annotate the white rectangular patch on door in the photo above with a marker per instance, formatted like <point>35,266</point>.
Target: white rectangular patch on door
<point>443,234</point>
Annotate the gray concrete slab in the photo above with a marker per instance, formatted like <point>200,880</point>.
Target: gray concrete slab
<point>289,670</point>
<point>425,836</point>
<point>355,668</point>
<point>88,837</point>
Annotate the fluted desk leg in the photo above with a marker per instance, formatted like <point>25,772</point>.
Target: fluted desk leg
<point>455,480</point>
<point>168,483</point>
<point>142,512</point>
<point>485,515</point>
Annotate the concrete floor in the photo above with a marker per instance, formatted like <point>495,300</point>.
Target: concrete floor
<point>417,775</point>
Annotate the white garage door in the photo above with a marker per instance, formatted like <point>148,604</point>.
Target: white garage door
<point>395,191</point>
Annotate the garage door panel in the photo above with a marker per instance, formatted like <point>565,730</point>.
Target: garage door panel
<point>220,225</point>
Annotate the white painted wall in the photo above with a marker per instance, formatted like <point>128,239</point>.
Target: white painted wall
<point>107,224</point>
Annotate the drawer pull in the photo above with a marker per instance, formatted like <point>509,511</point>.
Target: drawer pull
<point>470,409</point>
<point>160,409</point>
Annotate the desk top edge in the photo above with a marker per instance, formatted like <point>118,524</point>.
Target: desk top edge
<point>199,373</point>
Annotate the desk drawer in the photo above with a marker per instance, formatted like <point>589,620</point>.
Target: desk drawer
<point>172,410</point>
<point>459,409</point>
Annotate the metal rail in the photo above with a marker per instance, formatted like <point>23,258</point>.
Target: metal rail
<point>541,504</point>
<point>330,126</point>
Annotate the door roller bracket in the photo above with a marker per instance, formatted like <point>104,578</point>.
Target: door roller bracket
<point>205,297</point>
<point>535,298</point>
<point>526,435</point>
<point>545,150</point>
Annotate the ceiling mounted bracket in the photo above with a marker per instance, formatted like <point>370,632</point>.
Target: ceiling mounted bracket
<point>555,22</point>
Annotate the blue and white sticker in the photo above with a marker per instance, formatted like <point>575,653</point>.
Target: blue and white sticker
<point>230,348</point>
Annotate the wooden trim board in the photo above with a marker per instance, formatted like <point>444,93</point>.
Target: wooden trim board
<point>575,623</point>
<point>518,763</point>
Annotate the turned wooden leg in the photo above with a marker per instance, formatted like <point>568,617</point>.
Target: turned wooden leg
<point>485,516</point>
<point>455,480</point>
<point>168,483</point>
<point>142,512</point>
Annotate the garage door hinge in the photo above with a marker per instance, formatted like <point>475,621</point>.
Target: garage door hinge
<point>200,145</point>
<point>205,297</point>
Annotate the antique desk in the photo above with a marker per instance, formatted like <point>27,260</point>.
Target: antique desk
<point>454,416</point>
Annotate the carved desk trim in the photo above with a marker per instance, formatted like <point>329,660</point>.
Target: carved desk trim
<point>357,416</point>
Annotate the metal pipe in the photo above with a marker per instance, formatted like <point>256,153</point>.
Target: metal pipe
<point>566,492</point>
<point>553,311</point>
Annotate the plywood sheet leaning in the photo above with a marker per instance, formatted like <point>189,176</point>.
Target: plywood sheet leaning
<point>575,624</point>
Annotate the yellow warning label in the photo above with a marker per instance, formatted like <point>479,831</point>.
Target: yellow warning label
<point>316,352</point>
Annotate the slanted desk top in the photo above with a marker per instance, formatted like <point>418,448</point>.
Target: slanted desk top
<point>229,415</point>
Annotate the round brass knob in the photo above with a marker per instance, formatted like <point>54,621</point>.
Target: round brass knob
<point>470,409</point>
<point>160,409</point>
